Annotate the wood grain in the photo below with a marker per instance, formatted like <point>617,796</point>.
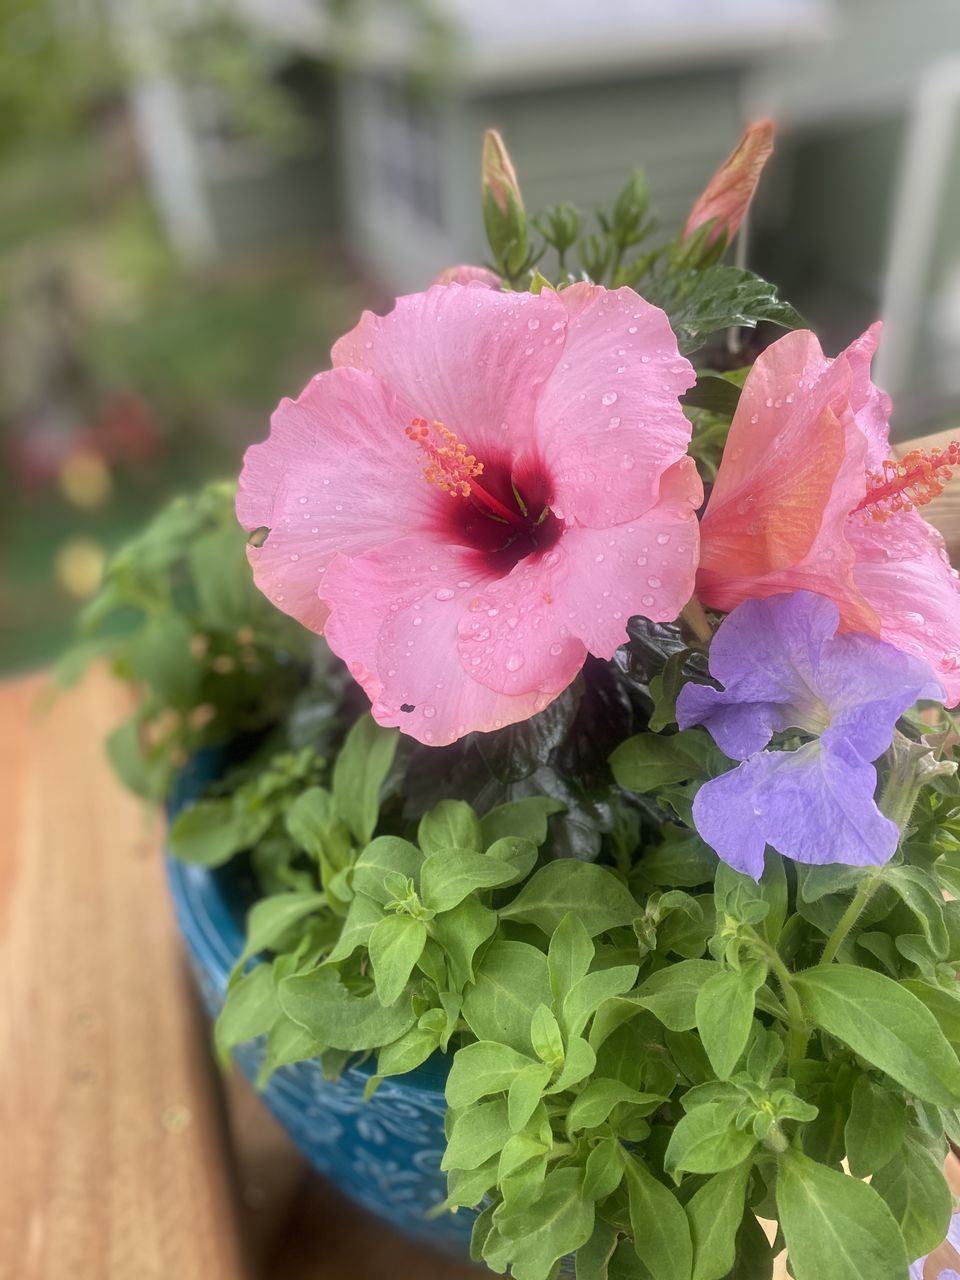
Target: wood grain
<point>113,1149</point>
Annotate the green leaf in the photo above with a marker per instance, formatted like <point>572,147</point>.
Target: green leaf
<point>701,302</point>
<point>363,915</point>
<point>526,818</point>
<point>270,918</point>
<point>593,1105</point>
<point>286,1042</point>
<point>569,955</point>
<point>750,901</point>
<point>447,877</point>
<point>883,1022</point>
<point>652,760</point>
<point>579,1063</point>
<point>313,823</point>
<point>835,1225</point>
<point>918,1195</point>
<point>754,1258</point>
<point>921,894</point>
<point>359,772</point>
<point>209,833</point>
<point>724,1010</point>
<point>395,946</point>
<point>250,1010</point>
<point>601,900</point>
<point>661,1235</point>
<point>319,1003</point>
<point>713,392</point>
<point>875,1127</point>
<point>452,824</point>
<point>604,1170</point>
<point>944,1006</point>
<point>407,1052</point>
<point>715,1213</point>
<point>671,993</point>
<point>460,933</point>
<point>476,1134</point>
<point>560,1222</point>
<point>482,1068</point>
<point>517,853</point>
<point>706,1140</point>
<point>382,857</point>
<point>593,1257</point>
<point>545,1036</point>
<point>525,1093</point>
<point>682,859</point>
<point>586,996</point>
<point>511,982</point>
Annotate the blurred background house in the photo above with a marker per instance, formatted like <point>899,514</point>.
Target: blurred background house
<point>197,196</point>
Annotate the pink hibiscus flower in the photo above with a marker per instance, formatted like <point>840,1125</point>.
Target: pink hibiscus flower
<point>483,489</point>
<point>807,498</point>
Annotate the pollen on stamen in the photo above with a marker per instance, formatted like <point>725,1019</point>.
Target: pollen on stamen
<point>447,464</point>
<point>903,484</point>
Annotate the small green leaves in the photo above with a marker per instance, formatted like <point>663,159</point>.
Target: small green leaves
<point>395,946</point>
<point>361,767</point>
<point>483,1068</point>
<point>835,1225</point>
<point>451,825</point>
<point>706,1140</point>
<point>918,1195</point>
<point>875,1127</point>
<point>700,303</point>
<point>671,994</point>
<point>724,1013</point>
<point>510,983</point>
<point>885,1024</point>
<point>601,900</point>
<point>715,1213</point>
<point>319,1003</point>
<point>271,918</point>
<point>651,760</point>
<point>661,1234</point>
<point>449,875</point>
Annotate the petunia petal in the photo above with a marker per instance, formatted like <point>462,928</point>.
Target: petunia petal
<point>767,655</point>
<point>473,358</point>
<point>814,805</point>
<point>394,614</point>
<point>609,422</point>
<point>327,480</point>
<point>903,572</point>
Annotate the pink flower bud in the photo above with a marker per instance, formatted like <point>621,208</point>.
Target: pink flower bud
<point>730,190</point>
<point>466,273</point>
<point>499,176</point>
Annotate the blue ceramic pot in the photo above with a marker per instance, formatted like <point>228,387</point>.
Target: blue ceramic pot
<point>385,1153</point>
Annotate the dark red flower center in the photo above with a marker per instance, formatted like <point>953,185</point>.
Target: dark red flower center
<point>499,508</point>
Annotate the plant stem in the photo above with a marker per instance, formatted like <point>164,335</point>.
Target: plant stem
<point>694,616</point>
<point>797,1033</point>
<point>868,887</point>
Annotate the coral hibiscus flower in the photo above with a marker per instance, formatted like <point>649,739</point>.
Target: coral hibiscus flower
<point>807,497</point>
<point>483,489</point>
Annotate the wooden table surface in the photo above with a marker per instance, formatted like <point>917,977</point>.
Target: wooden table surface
<point>124,1157</point>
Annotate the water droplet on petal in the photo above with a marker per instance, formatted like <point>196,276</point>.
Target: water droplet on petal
<point>646,601</point>
<point>556,650</point>
<point>514,661</point>
<point>663,539</point>
<point>294,556</point>
<point>533,324</point>
<point>429,711</point>
<point>654,582</point>
<point>608,398</point>
<point>443,593</point>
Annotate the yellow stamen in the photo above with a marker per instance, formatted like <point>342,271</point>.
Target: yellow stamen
<point>447,464</point>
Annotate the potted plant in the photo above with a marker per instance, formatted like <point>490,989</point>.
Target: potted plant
<point>596,865</point>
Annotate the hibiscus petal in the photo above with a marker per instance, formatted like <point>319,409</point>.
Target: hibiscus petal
<point>470,357</point>
<point>531,628</point>
<point>336,474</point>
<point>609,422</point>
<point>815,805</point>
<point>394,614</point>
<point>904,573</point>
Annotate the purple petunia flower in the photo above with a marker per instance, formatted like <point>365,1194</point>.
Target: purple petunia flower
<point>783,666</point>
<point>953,1235</point>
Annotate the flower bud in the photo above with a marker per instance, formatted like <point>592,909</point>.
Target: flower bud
<point>465,273</point>
<point>730,190</point>
<point>504,217</point>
